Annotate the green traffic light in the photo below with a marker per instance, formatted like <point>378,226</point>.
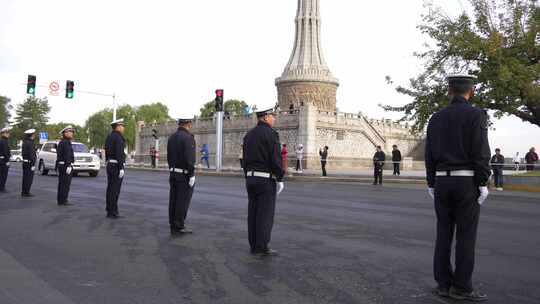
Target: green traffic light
<point>70,95</point>
<point>31,91</point>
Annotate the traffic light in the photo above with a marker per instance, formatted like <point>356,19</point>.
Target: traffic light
<point>31,85</point>
<point>70,89</point>
<point>219,100</point>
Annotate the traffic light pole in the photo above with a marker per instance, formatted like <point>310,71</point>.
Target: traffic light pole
<point>219,141</point>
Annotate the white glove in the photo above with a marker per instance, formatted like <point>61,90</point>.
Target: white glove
<point>68,170</point>
<point>280,187</point>
<point>484,192</point>
<point>192,181</point>
<point>431,192</point>
<point>121,174</point>
<point>8,164</point>
<point>33,168</point>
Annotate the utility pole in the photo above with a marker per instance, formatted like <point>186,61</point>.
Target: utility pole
<point>219,129</point>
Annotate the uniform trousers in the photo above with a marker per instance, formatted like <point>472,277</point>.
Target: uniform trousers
<point>180,194</point>
<point>64,184</point>
<point>28,178</point>
<point>114,184</point>
<point>378,174</point>
<point>457,212</point>
<point>4,170</point>
<point>262,204</point>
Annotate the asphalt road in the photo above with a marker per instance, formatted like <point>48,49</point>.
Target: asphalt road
<point>339,243</point>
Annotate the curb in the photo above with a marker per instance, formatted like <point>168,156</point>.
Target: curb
<point>307,178</point>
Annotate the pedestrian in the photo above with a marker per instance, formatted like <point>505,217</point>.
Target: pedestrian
<point>205,154</point>
<point>153,157</point>
<point>264,180</point>
<point>29,161</point>
<point>323,153</point>
<point>181,159</point>
<point>378,166</point>
<point>396,160</point>
<point>497,164</point>
<point>284,158</point>
<point>532,159</point>
<point>5,156</point>
<point>241,157</point>
<point>457,165</point>
<point>64,165</point>
<point>116,160</point>
<point>517,161</point>
<point>299,158</point>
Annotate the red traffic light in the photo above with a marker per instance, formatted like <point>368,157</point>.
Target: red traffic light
<point>219,93</point>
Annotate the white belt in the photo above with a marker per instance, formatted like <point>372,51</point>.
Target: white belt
<point>112,161</point>
<point>259,174</point>
<point>25,161</point>
<point>1,157</point>
<point>61,163</point>
<point>181,171</point>
<point>456,173</point>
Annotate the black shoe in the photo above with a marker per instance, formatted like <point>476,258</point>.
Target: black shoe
<point>65,204</point>
<point>442,292</point>
<point>473,296</point>
<point>185,231</point>
<point>114,216</point>
<point>266,252</point>
<point>27,195</point>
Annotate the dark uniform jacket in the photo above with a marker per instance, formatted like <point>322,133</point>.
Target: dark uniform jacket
<point>64,153</point>
<point>5,152</point>
<point>497,162</point>
<point>531,157</point>
<point>379,158</point>
<point>323,154</point>
<point>396,155</point>
<point>181,151</point>
<point>29,151</point>
<point>114,148</point>
<point>457,139</point>
<point>262,151</point>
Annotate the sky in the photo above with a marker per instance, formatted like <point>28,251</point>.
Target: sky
<point>178,52</point>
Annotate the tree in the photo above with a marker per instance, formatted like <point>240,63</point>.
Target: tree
<point>31,114</point>
<point>232,106</point>
<point>155,112</point>
<point>499,44</point>
<point>98,128</point>
<point>5,108</point>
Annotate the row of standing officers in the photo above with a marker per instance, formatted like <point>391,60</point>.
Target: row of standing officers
<point>262,167</point>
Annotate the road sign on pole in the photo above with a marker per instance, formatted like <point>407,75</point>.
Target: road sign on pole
<point>43,137</point>
<point>54,87</point>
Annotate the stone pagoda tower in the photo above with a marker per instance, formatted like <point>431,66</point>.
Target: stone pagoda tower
<point>306,78</point>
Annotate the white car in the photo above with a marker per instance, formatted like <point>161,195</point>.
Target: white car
<point>16,156</point>
<point>85,162</point>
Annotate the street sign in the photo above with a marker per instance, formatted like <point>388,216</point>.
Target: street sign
<point>43,137</point>
<point>54,87</point>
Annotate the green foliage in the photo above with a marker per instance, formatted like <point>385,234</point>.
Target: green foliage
<point>233,106</point>
<point>5,108</point>
<point>499,44</point>
<point>98,125</point>
<point>32,113</point>
<point>155,112</point>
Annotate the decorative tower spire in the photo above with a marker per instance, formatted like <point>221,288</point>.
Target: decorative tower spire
<point>307,78</point>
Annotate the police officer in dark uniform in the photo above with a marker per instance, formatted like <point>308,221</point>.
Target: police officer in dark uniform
<point>29,161</point>
<point>457,164</point>
<point>64,165</point>
<point>116,158</point>
<point>5,155</point>
<point>181,158</point>
<point>378,165</point>
<point>264,180</point>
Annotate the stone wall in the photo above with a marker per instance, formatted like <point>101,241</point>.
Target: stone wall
<point>352,138</point>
